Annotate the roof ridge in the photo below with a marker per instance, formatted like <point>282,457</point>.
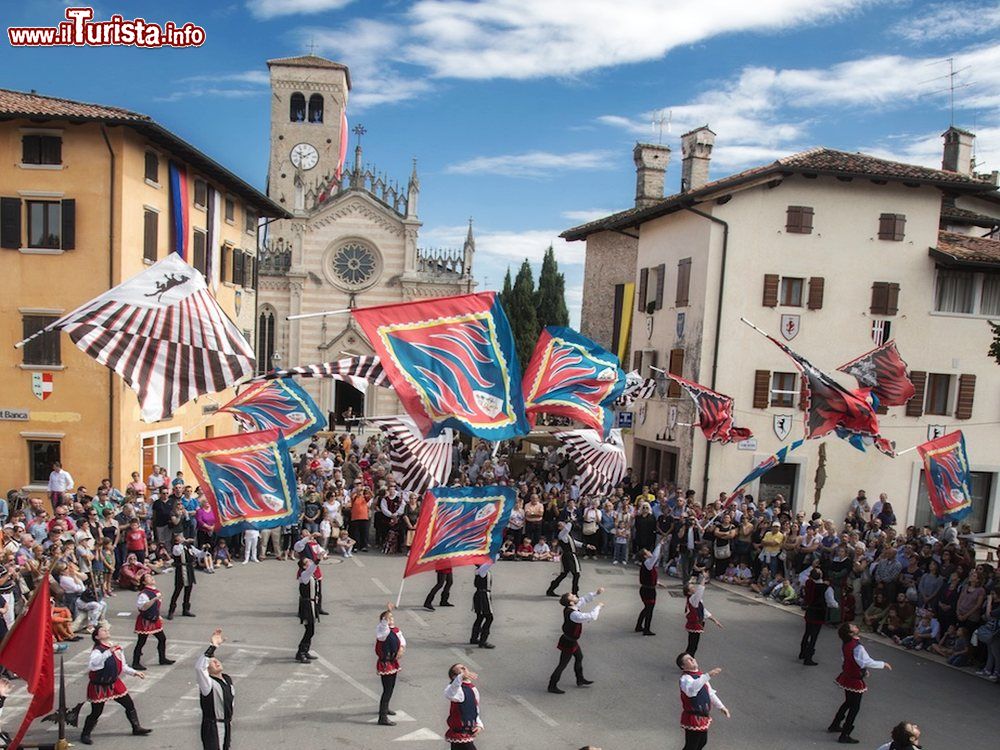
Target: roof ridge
<point>65,100</point>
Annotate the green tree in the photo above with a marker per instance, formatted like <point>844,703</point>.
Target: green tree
<point>995,346</point>
<point>551,296</point>
<point>507,290</point>
<point>521,313</point>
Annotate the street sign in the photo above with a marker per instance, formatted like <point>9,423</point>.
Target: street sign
<point>14,415</point>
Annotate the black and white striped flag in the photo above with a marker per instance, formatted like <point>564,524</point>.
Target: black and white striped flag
<point>418,464</point>
<point>636,387</point>
<point>601,464</point>
<point>358,371</point>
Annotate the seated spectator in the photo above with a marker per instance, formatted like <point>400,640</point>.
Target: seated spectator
<point>62,623</point>
<point>132,572</point>
<point>764,580</point>
<point>542,551</point>
<point>525,551</point>
<point>206,563</point>
<point>924,634</point>
<point>345,545</point>
<point>876,612</point>
<point>946,646</point>
<point>961,651</point>
<point>508,550</point>
<point>222,556</point>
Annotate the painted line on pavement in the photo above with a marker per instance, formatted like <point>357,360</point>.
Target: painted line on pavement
<point>420,620</point>
<point>156,673</point>
<point>544,718</point>
<point>357,562</point>
<point>381,586</point>
<point>347,678</point>
<point>466,659</point>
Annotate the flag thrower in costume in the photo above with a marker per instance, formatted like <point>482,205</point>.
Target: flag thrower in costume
<point>459,526</point>
<point>946,472</point>
<point>164,333</point>
<point>281,404</point>
<point>715,412</point>
<point>27,652</point>
<point>882,371</point>
<point>452,362</point>
<point>572,376</point>
<point>601,463</point>
<point>418,464</point>
<point>359,371</point>
<point>248,480</point>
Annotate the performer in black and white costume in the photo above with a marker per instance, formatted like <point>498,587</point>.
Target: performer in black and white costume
<point>390,645</point>
<point>818,598</point>
<point>482,603</point>
<point>107,664</point>
<point>148,623</point>
<point>569,641</point>
<point>216,693</point>
<point>185,555</point>
<point>570,561</point>
<point>308,610</point>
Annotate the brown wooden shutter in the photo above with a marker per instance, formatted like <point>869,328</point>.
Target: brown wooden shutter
<point>799,220</point>
<point>892,227</point>
<point>676,367</point>
<point>761,389</point>
<point>643,281</point>
<point>899,227</point>
<point>892,299</point>
<point>771,281</point>
<point>661,280</point>
<point>880,298</point>
<point>10,223</point>
<point>68,224</point>
<point>807,220</point>
<point>149,235</point>
<point>966,395</point>
<point>683,282</point>
<point>803,392</point>
<point>816,284</point>
<point>250,272</point>
<point>915,406</point>
<point>637,361</point>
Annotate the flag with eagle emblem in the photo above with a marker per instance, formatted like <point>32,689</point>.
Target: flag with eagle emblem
<point>882,371</point>
<point>459,526</point>
<point>946,472</point>
<point>715,412</point>
<point>452,362</point>
<point>247,478</point>
<point>572,376</point>
<point>281,404</point>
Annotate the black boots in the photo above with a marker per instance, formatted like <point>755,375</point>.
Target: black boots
<point>553,688</point>
<point>88,726</point>
<point>137,728</point>
<point>550,591</point>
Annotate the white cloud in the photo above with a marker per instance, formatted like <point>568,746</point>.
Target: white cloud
<point>531,164</point>
<point>926,148</point>
<point>950,20</point>
<point>265,9</point>
<point>249,77</point>
<point>590,214</point>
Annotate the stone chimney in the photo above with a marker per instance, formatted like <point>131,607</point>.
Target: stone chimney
<point>957,150</point>
<point>650,166</point>
<point>696,153</point>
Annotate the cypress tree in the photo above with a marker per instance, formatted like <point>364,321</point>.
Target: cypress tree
<point>521,312</point>
<point>551,296</point>
<point>506,291</point>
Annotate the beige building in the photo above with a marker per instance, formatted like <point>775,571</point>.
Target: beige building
<point>85,205</point>
<point>352,241</point>
<point>836,252</point>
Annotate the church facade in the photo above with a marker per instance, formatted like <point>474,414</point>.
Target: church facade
<point>352,241</point>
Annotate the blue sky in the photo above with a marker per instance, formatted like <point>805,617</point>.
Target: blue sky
<point>523,113</point>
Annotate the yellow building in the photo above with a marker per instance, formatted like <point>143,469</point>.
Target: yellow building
<point>85,205</point>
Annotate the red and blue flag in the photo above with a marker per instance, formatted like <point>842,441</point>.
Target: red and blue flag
<point>452,362</point>
<point>715,412</point>
<point>947,474</point>
<point>775,459</point>
<point>883,371</point>
<point>180,219</point>
<point>572,376</point>
<point>459,526</point>
<point>247,479</point>
<point>281,404</point>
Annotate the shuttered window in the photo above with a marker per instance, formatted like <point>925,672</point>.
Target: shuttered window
<point>44,349</point>
<point>643,281</point>
<point>150,230</point>
<point>966,395</point>
<point>250,221</point>
<point>10,223</point>
<point>239,267</point>
<point>915,406</point>
<point>249,272</point>
<point>152,170</point>
<point>771,281</point>
<point>200,193</point>
<point>885,298</point>
<point>892,227</point>
<point>799,220</point>
<point>198,251</point>
<point>791,291</point>
<point>683,282</point>
<point>230,210</point>
<point>783,389</point>
<point>816,284</point>
<point>661,280</point>
<point>41,149</point>
<point>761,389</point>
<point>676,367</point>
<point>938,390</point>
<point>227,270</point>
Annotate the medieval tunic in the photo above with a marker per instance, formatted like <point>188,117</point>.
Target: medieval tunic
<point>856,661</point>
<point>464,722</point>
<point>695,612</point>
<point>107,663</point>
<point>148,621</point>
<point>216,695</point>
<point>697,699</point>
<point>388,642</point>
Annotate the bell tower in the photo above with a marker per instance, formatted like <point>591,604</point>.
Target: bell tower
<point>308,99</point>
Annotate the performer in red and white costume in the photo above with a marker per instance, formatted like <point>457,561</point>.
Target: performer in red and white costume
<point>857,662</point>
<point>695,615</point>
<point>569,641</point>
<point>107,663</point>
<point>309,549</point>
<point>697,700</point>
<point>148,623</point>
<point>464,722</point>
<point>390,645</point>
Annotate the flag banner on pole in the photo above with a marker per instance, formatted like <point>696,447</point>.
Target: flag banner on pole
<point>342,151</point>
<point>452,362</point>
<point>601,464</point>
<point>762,468</point>
<point>180,217</point>
<point>165,334</point>
<point>636,388</point>
<point>459,526</point>
<point>830,407</point>
<point>715,412</point>
<point>882,371</point>
<point>213,225</point>
<point>947,474</point>
<point>281,404</point>
<point>571,376</point>
<point>247,479</point>
<point>27,652</point>
<point>418,464</point>
<point>358,371</point>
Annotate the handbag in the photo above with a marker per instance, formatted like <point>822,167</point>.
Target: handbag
<point>723,551</point>
<point>987,632</point>
<point>589,528</point>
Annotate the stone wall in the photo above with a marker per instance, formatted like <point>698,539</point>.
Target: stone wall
<point>610,261</point>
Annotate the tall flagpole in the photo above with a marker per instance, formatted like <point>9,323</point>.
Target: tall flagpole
<point>62,744</point>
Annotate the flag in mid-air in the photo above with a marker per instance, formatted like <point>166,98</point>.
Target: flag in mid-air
<point>459,526</point>
<point>452,362</point>
<point>762,468</point>
<point>165,334</point>
<point>636,388</point>
<point>572,376</point>
<point>247,478</point>
<point>418,463</point>
<point>715,412</point>
<point>27,652</point>
<point>281,404</point>
<point>359,371</point>
<point>882,371</point>
<point>946,473</point>
<point>601,464</point>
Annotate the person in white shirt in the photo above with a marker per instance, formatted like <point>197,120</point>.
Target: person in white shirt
<point>857,662</point>
<point>905,736</point>
<point>390,645</point>
<point>464,720</point>
<point>698,698</point>
<point>106,664</point>
<point>569,641</point>
<point>216,693</point>
<point>60,483</point>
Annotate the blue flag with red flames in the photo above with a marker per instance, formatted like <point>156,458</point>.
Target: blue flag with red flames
<point>572,376</point>
<point>775,459</point>
<point>452,363</point>
<point>946,472</point>
<point>248,480</point>
<point>281,404</point>
<point>459,526</point>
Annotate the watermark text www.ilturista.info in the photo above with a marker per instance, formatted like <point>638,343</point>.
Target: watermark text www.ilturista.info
<point>80,30</point>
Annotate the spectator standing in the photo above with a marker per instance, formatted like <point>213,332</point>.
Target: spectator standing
<point>60,484</point>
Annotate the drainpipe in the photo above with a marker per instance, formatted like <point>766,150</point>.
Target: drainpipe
<point>718,328</point>
<point>111,283</point>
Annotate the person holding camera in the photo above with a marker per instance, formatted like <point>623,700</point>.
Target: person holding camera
<point>697,700</point>
<point>852,676</point>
